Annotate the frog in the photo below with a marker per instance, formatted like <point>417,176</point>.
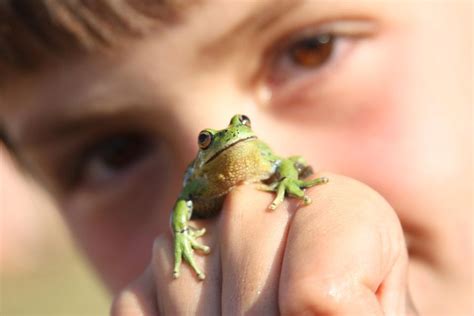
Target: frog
<point>226,159</point>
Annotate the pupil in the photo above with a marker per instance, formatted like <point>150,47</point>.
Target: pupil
<point>203,137</point>
<point>120,152</point>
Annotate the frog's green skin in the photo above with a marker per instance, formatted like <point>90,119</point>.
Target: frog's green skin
<point>227,158</point>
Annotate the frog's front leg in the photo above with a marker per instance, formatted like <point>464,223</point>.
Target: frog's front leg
<point>290,184</point>
<point>185,238</point>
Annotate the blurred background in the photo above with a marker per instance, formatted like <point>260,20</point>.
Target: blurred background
<point>41,273</point>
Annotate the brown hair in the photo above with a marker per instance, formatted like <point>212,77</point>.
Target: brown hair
<point>33,32</point>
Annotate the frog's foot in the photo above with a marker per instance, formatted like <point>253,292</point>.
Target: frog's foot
<point>294,187</point>
<point>184,245</point>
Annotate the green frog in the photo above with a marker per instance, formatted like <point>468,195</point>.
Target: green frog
<point>226,159</point>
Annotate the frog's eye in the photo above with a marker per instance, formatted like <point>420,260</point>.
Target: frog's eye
<point>244,119</point>
<point>204,139</point>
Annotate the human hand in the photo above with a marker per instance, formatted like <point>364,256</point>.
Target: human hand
<point>343,254</point>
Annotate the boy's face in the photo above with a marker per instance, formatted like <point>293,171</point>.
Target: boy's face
<point>385,101</point>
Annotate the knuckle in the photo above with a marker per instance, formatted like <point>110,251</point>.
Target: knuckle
<point>310,297</point>
<point>334,296</point>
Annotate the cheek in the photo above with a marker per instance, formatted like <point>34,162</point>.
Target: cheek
<point>116,229</point>
<point>407,145</point>
<point>371,145</point>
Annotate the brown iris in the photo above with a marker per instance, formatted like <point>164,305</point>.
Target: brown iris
<point>312,51</point>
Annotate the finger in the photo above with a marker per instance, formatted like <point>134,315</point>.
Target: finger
<point>139,298</point>
<point>187,295</point>
<point>252,244</point>
<point>351,259</point>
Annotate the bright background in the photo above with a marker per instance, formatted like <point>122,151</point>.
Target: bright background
<point>41,272</point>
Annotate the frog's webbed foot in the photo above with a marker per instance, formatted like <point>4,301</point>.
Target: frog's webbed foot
<point>185,239</point>
<point>294,187</point>
<point>184,245</point>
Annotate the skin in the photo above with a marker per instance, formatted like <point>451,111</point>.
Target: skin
<point>391,109</point>
<point>228,158</point>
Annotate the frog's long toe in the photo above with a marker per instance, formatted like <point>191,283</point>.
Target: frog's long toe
<point>196,233</point>
<point>200,247</point>
<point>313,182</point>
<point>189,257</point>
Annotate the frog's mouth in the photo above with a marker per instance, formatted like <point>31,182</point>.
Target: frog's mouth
<point>231,145</point>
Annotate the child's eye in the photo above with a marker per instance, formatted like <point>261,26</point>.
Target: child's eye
<point>304,55</point>
<point>312,49</point>
<point>112,156</point>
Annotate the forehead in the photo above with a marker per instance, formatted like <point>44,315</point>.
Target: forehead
<point>90,83</point>
<point>33,33</point>
<point>134,73</point>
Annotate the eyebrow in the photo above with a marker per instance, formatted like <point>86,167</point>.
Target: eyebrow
<point>256,22</point>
